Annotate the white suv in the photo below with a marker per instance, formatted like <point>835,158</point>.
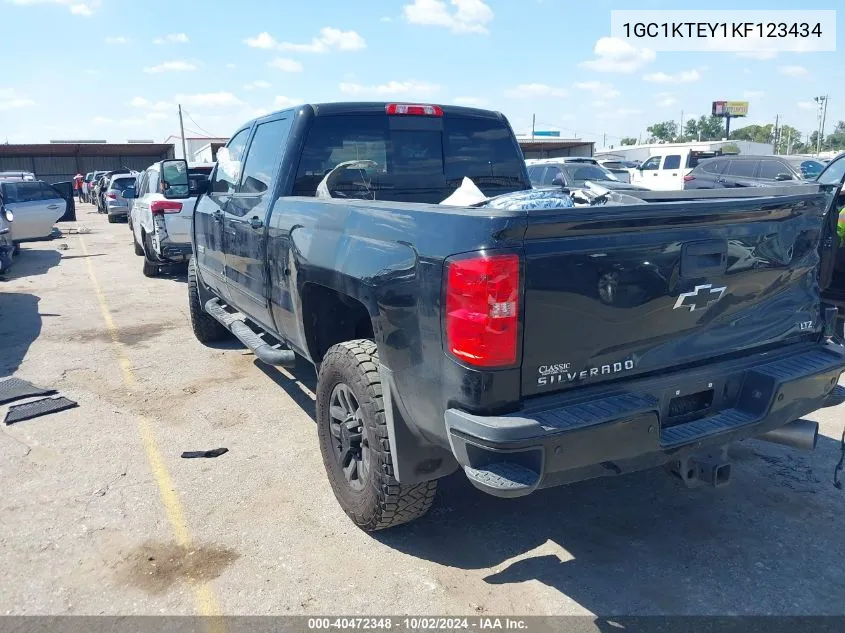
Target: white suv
<point>161,227</point>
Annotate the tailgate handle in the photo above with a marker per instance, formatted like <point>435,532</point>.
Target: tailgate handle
<point>701,259</point>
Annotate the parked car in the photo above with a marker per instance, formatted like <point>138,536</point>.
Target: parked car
<point>7,246</point>
<point>161,226</point>
<point>103,184</point>
<point>117,206</point>
<point>528,349</point>
<point>619,168</point>
<point>576,174</point>
<point>809,168</point>
<point>665,169</point>
<point>743,171</point>
<point>36,207</point>
<point>17,175</point>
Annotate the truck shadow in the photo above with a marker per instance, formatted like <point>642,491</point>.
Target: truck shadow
<point>293,381</point>
<point>769,542</point>
<point>20,325</point>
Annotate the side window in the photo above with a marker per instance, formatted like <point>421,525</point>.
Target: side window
<point>651,164</point>
<point>46,192</point>
<point>227,174</point>
<point>549,177</point>
<point>673,161</point>
<point>263,156</point>
<point>142,185</point>
<point>769,169</point>
<point>833,173</point>
<point>152,181</point>
<point>742,168</point>
<point>535,174</point>
<point>715,166</point>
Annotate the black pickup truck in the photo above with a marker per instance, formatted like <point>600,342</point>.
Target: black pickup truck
<point>530,348</point>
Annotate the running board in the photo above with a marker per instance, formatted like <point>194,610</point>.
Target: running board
<point>235,323</point>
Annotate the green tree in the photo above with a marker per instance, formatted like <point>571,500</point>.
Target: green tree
<point>665,131</point>
<point>836,139</point>
<point>730,148</point>
<point>628,140</point>
<point>705,128</point>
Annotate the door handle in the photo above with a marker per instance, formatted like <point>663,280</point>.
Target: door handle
<point>217,216</point>
<point>53,206</point>
<point>256,222</point>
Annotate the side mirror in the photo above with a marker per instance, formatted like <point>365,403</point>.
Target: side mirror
<point>129,194</point>
<point>174,179</point>
<point>782,177</point>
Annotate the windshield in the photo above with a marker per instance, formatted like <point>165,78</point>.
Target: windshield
<point>580,173</point>
<point>417,159</point>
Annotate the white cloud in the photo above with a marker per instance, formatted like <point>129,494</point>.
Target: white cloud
<point>603,90</point>
<point>257,85</point>
<point>683,77</point>
<point>117,40</point>
<point>175,66</point>
<point>392,88</point>
<point>808,105</point>
<point>793,71</point>
<point>77,8</point>
<point>262,40</point>
<point>231,66</point>
<point>468,16</point>
<point>530,91</point>
<point>156,116</point>
<point>386,19</point>
<point>614,55</point>
<point>12,100</point>
<point>329,39</point>
<point>286,65</point>
<point>145,104</point>
<point>753,94</point>
<point>472,102</point>
<point>620,113</point>
<point>665,99</point>
<point>172,38</point>
<point>209,99</point>
<point>286,102</point>
<point>100,120</point>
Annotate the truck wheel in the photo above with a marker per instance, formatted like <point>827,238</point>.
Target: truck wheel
<point>150,269</point>
<point>206,328</point>
<point>112,219</point>
<point>16,250</point>
<point>352,429</point>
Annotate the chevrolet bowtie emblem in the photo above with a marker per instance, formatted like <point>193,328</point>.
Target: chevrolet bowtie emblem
<point>700,298</point>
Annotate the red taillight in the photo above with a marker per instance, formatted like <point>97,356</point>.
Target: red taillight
<point>413,109</point>
<point>482,309</point>
<point>687,178</point>
<point>111,196</point>
<point>160,207</point>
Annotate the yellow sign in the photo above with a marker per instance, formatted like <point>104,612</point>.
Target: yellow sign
<point>730,108</point>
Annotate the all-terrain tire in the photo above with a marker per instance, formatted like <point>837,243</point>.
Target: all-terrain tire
<point>383,502</point>
<point>112,219</point>
<point>206,328</point>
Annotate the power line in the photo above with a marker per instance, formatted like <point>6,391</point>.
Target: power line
<point>188,114</point>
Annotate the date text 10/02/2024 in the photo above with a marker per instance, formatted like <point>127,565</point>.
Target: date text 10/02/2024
<point>417,624</point>
<point>704,30</point>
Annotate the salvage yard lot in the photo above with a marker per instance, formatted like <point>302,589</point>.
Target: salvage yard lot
<point>101,515</point>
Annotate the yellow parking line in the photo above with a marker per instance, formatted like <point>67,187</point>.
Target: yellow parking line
<point>204,597</point>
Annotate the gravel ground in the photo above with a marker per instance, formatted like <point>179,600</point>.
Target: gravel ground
<point>100,515</point>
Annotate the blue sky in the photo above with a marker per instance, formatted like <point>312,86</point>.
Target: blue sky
<point>114,70</point>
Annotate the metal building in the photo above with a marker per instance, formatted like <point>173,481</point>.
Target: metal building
<point>60,162</point>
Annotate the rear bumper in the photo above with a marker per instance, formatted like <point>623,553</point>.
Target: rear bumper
<point>173,252</point>
<point>612,430</point>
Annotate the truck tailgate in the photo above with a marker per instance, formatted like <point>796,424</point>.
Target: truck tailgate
<point>179,224</point>
<point>613,292</point>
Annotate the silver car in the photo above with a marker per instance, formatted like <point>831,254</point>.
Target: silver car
<point>36,207</point>
<point>7,247</point>
<point>116,205</point>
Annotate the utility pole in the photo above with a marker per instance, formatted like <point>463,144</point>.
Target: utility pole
<point>776,143</point>
<point>824,119</point>
<point>822,101</point>
<point>789,141</point>
<point>604,140</point>
<point>533,123</point>
<point>182,133</point>
<point>681,129</point>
